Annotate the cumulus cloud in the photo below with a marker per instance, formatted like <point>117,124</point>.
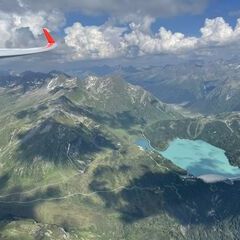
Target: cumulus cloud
<point>216,31</point>
<point>21,23</point>
<point>14,26</point>
<point>162,42</point>
<point>107,41</point>
<point>93,41</point>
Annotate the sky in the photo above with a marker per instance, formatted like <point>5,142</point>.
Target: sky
<point>115,32</point>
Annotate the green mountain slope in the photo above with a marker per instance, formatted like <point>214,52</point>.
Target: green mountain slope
<point>70,169</point>
<point>115,96</point>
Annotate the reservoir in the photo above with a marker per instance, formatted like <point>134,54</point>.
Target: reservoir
<point>196,156</point>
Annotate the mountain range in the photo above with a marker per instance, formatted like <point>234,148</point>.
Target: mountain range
<point>207,87</point>
<point>70,168</point>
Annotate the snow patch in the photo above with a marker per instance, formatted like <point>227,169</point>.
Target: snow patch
<point>228,97</point>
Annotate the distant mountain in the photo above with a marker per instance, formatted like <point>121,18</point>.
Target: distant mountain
<point>208,87</point>
<point>200,86</point>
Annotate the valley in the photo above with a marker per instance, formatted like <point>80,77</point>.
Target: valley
<point>199,86</point>
<point>70,168</point>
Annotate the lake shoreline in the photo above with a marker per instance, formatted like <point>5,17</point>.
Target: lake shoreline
<point>196,157</point>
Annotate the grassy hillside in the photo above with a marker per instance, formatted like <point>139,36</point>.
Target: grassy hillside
<point>69,168</point>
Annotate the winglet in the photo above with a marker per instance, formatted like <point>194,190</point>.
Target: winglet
<point>48,36</point>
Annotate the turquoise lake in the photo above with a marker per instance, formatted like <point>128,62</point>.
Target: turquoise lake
<point>197,157</point>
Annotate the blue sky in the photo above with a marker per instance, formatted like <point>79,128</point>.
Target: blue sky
<point>181,19</point>
<point>186,23</point>
<point>190,24</point>
<point>86,20</point>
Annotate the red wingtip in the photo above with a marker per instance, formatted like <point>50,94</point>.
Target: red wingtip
<point>48,36</point>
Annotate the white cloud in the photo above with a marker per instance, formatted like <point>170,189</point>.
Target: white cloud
<point>93,41</point>
<point>107,41</point>
<point>11,25</point>
<point>162,42</point>
<point>216,31</point>
<point>21,22</point>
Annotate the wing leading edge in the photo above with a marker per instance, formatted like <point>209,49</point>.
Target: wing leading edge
<point>15,52</point>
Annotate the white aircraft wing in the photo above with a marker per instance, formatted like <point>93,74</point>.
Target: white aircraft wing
<point>15,52</point>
